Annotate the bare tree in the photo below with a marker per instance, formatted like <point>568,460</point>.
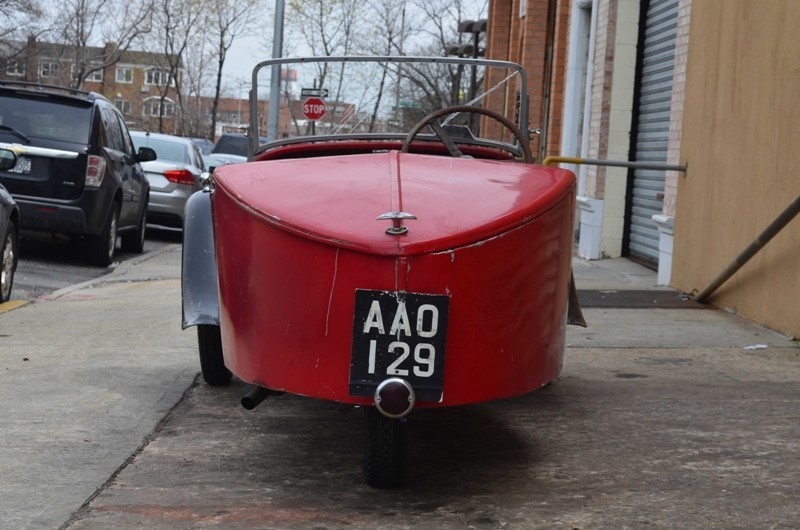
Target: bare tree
<point>436,86</point>
<point>394,27</point>
<point>383,27</point>
<point>440,20</point>
<point>227,20</point>
<point>116,23</point>
<point>327,28</point>
<point>16,17</point>
<point>390,33</point>
<point>176,23</point>
<point>197,65</point>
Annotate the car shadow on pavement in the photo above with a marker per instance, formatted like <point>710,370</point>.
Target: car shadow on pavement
<point>295,460</point>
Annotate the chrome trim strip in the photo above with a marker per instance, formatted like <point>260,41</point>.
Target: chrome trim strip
<point>20,149</point>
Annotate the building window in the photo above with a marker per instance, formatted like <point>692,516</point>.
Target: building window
<point>93,77</point>
<point>96,76</point>
<point>48,69</point>
<point>15,68</point>
<point>158,77</point>
<point>124,74</point>
<point>152,107</point>
<point>123,105</point>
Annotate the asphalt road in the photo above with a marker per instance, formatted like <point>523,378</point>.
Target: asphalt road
<point>45,267</point>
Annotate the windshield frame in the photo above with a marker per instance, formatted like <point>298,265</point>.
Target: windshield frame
<point>275,64</point>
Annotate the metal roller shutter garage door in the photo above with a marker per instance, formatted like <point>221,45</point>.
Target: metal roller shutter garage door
<point>652,126</point>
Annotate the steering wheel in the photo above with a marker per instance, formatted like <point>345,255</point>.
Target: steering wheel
<point>431,119</point>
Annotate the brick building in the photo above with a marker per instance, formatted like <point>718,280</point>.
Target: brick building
<point>602,77</point>
<point>139,83</point>
<point>707,86</point>
<point>534,33</point>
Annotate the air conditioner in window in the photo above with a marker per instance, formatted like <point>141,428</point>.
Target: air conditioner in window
<point>144,88</point>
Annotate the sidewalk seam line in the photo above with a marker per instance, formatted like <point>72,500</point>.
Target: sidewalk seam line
<point>83,509</point>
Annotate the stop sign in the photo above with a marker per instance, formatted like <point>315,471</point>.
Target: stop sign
<point>314,109</point>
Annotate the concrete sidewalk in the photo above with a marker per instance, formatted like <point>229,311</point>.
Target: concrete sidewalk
<point>614,274</point>
<point>670,418</point>
<point>86,376</point>
<point>662,325</point>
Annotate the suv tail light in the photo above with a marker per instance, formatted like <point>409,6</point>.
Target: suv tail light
<point>95,170</point>
<point>180,176</point>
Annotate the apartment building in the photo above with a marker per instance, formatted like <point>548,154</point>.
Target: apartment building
<point>141,84</point>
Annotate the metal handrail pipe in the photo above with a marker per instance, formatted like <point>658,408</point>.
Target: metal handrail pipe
<point>758,243</point>
<point>551,160</point>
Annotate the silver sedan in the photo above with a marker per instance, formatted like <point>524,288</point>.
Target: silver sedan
<point>174,175</point>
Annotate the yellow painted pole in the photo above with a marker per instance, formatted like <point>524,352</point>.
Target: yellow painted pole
<point>551,160</point>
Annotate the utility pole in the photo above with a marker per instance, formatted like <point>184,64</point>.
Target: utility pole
<point>275,82</point>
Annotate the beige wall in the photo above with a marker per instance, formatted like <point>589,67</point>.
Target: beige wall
<point>610,114</point>
<point>741,140</point>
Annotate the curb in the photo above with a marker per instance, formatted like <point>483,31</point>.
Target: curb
<point>119,270</point>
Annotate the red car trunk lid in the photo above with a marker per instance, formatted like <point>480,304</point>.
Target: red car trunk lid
<point>456,201</point>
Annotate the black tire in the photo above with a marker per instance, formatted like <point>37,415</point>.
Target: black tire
<point>8,261</point>
<point>212,363</point>
<point>384,455</point>
<point>133,241</point>
<point>103,246</point>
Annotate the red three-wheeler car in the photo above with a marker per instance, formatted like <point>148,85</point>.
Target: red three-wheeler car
<point>391,246</point>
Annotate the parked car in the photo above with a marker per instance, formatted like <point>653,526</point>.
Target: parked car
<point>425,266</point>
<point>235,144</point>
<point>9,234</point>
<point>77,174</point>
<point>174,175</point>
<point>222,159</point>
<point>204,144</point>
<point>232,143</point>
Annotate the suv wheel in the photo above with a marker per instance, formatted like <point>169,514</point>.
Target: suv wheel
<point>102,247</point>
<point>8,261</point>
<point>134,241</point>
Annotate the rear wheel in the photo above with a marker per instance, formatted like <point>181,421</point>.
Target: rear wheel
<point>133,242</point>
<point>212,363</point>
<point>102,247</point>
<point>8,261</point>
<point>384,455</point>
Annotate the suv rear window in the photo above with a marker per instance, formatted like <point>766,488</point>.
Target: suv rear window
<point>62,120</point>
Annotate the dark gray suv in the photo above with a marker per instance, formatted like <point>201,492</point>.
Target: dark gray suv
<point>77,174</point>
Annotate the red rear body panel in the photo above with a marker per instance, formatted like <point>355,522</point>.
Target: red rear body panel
<point>296,238</point>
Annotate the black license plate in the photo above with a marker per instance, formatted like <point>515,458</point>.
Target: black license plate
<point>399,334</point>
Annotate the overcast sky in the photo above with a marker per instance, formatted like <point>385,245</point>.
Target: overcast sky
<point>244,54</point>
